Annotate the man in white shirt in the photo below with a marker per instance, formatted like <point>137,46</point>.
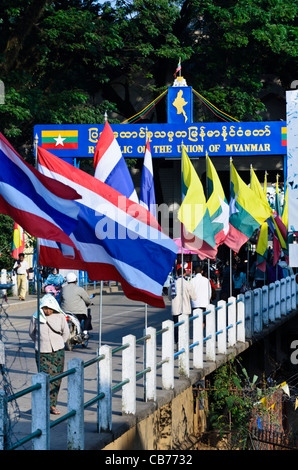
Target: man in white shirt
<point>181,299</point>
<point>202,288</point>
<point>21,268</point>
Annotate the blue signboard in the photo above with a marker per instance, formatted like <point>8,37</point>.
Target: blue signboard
<point>217,139</point>
<point>180,105</point>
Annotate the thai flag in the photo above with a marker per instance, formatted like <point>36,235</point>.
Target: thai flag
<point>43,207</point>
<point>116,238</point>
<point>110,166</point>
<point>147,193</point>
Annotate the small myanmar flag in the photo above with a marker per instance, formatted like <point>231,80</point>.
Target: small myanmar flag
<point>18,241</point>
<point>59,139</point>
<point>247,212</point>
<point>194,213</point>
<point>217,204</point>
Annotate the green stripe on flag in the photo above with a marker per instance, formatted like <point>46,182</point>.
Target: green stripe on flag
<point>52,140</point>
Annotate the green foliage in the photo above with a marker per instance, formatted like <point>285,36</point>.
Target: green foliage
<point>232,401</point>
<point>69,61</point>
<point>6,231</point>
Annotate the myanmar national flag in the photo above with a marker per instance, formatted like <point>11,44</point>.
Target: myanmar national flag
<point>247,212</point>
<point>277,202</point>
<point>284,216</point>
<point>194,213</point>
<point>59,139</point>
<point>217,204</point>
<point>18,241</point>
<point>262,243</point>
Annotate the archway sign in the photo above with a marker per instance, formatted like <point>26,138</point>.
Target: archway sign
<point>73,141</point>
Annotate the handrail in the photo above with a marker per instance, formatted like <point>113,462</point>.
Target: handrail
<point>258,312</point>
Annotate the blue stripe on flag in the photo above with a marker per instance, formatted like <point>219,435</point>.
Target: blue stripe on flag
<point>13,176</point>
<point>147,194</point>
<point>117,179</point>
<point>123,244</point>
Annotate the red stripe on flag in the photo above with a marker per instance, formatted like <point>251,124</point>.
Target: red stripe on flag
<point>235,239</point>
<point>65,146</point>
<point>50,256</point>
<point>106,140</point>
<point>60,167</point>
<point>33,224</point>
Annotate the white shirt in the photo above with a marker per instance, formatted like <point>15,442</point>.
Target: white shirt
<point>202,288</point>
<point>22,267</point>
<point>180,305</point>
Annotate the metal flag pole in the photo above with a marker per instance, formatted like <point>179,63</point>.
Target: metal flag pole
<point>146,306</point>
<point>100,314</point>
<point>207,196</point>
<point>181,226</point>
<point>37,266</point>
<point>231,274</point>
<point>101,285</point>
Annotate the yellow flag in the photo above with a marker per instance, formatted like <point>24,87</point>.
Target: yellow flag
<point>285,209</point>
<point>194,213</point>
<point>257,188</point>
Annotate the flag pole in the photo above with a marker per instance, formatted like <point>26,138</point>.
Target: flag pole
<point>101,284</point>
<point>182,257</point>
<point>231,274</point>
<point>146,306</point>
<point>37,267</point>
<point>207,196</point>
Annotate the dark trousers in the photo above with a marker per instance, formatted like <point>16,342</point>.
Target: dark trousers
<point>85,321</point>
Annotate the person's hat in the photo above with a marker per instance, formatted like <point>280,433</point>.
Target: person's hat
<point>71,277</point>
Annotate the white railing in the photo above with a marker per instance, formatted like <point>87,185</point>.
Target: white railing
<point>214,332</point>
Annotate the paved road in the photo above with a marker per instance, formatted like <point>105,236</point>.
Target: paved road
<point>120,317</point>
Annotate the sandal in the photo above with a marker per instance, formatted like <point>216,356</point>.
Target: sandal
<point>53,411</point>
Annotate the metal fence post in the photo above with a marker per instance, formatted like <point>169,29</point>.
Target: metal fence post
<point>271,301</point>
<point>210,333</point>
<point>222,327</point>
<point>288,295</point>
<point>3,420</point>
<point>265,306</point>
<point>129,375</point>
<point>283,297</point>
<point>240,316</point>
<point>183,344</point>
<point>41,411</point>
<point>75,402</point>
<point>257,311</point>
<point>105,386</point>
<point>231,321</point>
<point>293,292</point>
<point>198,338</point>
<point>167,342</point>
<point>150,377</point>
<point>277,300</point>
<point>249,321</point>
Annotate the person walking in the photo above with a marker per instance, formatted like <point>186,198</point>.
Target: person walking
<point>239,280</point>
<point>51,335</point>
<point>181,293</point>
<point>202,288</point>
<point>75,300</point>
<point>21,268</point>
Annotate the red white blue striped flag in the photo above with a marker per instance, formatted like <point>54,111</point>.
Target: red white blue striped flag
<point>147,192</point>
<point>110,166</point>
<point>43,207</point>
<point>116,238</point>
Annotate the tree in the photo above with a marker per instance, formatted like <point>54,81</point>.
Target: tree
<point>69,61</point>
